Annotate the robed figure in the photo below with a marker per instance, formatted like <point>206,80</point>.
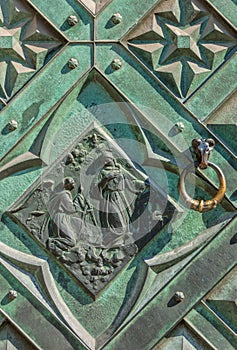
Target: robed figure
<point>118,192</point>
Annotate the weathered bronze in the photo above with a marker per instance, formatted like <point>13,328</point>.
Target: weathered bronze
<point>72,20</point>
<point>72,63</point>
<point>12,294</point>
<point>86,210</point>
<point>116,64</point>
<point>179,296</point>
<point>94,264</point>
<point>202,150</point>
<point>116,18</point>
<point>180,126</point>
<point>12,125</point>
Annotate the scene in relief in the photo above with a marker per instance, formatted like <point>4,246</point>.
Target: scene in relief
<point>92,209</point>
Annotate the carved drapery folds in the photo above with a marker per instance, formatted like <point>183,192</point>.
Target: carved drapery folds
<point>86,210</point>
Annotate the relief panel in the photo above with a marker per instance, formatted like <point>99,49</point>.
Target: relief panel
<point>92,208</point>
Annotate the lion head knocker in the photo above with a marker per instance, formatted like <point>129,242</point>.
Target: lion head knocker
<point>202,149</point>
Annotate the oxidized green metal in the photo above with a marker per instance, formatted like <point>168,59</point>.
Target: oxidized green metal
<point>150,76</point>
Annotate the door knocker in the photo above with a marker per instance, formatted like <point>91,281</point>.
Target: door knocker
<point>202,149</point>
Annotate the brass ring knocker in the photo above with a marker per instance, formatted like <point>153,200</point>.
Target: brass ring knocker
<point>202,149</point>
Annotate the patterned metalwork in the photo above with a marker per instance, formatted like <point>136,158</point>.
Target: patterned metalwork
<point>26,40</point>
<point>182,44</point>
<point>177,81</point>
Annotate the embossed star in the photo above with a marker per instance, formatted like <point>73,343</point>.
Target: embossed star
<point>24,45</point>
<point>182,45</point>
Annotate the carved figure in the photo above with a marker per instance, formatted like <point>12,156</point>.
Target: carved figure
<point>65,223</point>
<point>116,206</point>
<point>92,233</point>
<point>89,230</point>
<point>84,207</point>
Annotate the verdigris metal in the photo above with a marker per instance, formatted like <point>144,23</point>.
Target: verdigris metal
<point>86,210</point>
<point>178,63</point>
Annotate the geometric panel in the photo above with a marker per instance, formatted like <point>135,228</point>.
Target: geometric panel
<point>179,45</point>
<point>182,45</point>
<point>27,42</point>
<point>223,300</point>
<point>182,338</point>
<point>227,133</point>
<point>95,6</point>
<point>222,121</point>
<point>211,328</point>
<point>93,224</point>
<point>13,338</point>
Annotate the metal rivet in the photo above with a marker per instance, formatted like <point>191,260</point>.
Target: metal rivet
<point>180,126</point>
<point>12,125</point>
<point>116,64</point>
<point>179,296</point>
<point>116,18</point>
<point>72,20</point>
<point>72,63</point>
<point>12,294</point>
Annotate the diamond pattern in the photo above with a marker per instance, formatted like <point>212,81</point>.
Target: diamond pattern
<point>182,339</point>
<point>25,43</point>
<point>95,6</point>
<point>182,45</point>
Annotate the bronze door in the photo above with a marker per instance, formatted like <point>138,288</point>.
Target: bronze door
<point>116,233</point>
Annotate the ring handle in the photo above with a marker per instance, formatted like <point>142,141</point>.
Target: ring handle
<point>201,205</point>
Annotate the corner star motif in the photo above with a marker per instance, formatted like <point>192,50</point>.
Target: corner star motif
<point>24,45</point>
<point>182,45</point>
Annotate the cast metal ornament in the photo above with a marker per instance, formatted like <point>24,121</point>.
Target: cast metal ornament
<point>72,63</point>
<point>85,209</point>
<point>72,20</point>
<point>179,296</point>
<point>12,125</point>
<point>12,294</point>
<point>202,148</point>
<point>179,126</point>
<point>116,64</point>
<point>116,18</point>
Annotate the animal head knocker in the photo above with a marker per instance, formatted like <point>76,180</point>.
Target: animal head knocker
<point>202,149</point>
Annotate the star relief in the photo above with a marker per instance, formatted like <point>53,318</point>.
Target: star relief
<point>181,45</point>
<point>10,42</point>
<point>25,42</point>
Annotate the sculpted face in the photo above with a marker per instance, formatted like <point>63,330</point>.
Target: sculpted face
<point>69,184</point>
<point>109,161</point>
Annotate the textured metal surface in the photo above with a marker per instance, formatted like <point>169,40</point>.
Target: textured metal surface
<point>155,75</point>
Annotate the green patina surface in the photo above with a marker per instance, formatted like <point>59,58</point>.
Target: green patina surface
<point>38,322</point>
<point>35,101</point>
<point>68,101</point>
<point>227,8</point>
<point>131,11</point>
<point>223,83</point>
<point>58,12</point>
